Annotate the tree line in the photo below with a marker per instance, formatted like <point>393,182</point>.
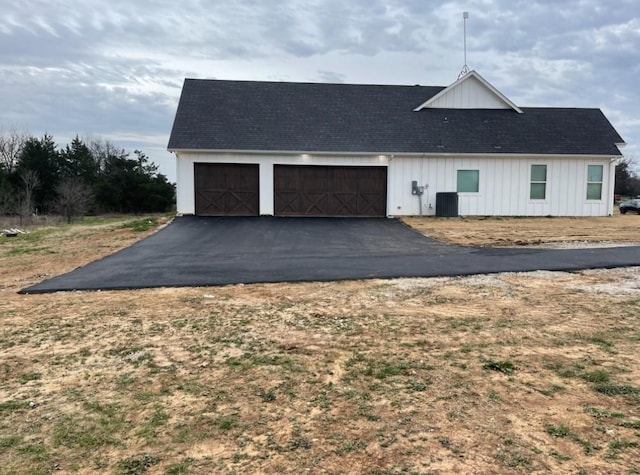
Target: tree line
<point>90,176</point>
<point>627,179</point>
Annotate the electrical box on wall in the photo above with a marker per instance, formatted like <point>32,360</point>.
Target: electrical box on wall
<point>415,189</point>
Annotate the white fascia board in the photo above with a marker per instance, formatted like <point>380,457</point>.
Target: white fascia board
<point>505,155</point>
<point>482,80</point>
<point>278,152</point>
<point>402,154</point>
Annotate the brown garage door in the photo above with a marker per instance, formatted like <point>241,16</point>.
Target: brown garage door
<point>226,189</point>
<point>330,191</point>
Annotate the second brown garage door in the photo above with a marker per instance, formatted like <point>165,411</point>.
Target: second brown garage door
<point>330,191</point>
<point>226,189</point>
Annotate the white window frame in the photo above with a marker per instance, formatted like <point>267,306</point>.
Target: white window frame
<point>532,182</point>
<point>601,182</point>
<point>477,170</point>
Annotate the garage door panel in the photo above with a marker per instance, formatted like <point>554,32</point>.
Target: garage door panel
<point>313,202</point>
<point>209,201</point>
<point>288,200</point>
<point>330,191</point>
<point>372,203</point>
<point>226,189</point>
<point>345,204</point>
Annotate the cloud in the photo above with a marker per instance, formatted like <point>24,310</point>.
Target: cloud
<point>115,68</point>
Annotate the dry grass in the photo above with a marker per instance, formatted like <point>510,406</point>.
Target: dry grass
<point>510,373</point>
<point>508,232</point>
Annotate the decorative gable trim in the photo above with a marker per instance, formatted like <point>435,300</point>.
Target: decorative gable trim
<point>471,91</point>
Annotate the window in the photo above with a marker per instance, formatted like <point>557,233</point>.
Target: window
<point>594,182</point>
<point>538,190</point>
<point>468,181</point>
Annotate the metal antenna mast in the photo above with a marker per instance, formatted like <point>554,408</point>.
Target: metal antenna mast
<point>465,68</point>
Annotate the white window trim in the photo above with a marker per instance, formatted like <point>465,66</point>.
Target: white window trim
<point>587,182</point>
<point>468,193</point>
<point>546,189</point>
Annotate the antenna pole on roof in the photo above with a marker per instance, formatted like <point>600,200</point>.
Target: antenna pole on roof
<point>465,68</point>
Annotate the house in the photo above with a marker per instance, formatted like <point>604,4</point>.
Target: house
<point>308,149</point>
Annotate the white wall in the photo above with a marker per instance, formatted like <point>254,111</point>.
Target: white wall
<point>469,94</point>
<point>503,189</point>
<point>504,186</point>
<point>185,161</point>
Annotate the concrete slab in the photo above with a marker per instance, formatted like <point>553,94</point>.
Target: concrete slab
<point>198,251</point>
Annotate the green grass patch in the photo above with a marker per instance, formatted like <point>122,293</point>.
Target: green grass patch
<point>631,424</point>
<point>86,431</point>
<point>226,423</point>
<point>514,458</point>
<point>563,431</point>
<point>384,369</point>
<point>381,369</point>
<point>141,225</point>
<point>597,376</point>
<point>180,467</point>
<point>108,410</point>
<point>193,387</point>
<point>137,465</point>
<point>101,220</point>
<point>466,324</point>
<point>8,407</point>
<point>11,441</point>
<point>419,386</point>
<point>352,446</point>
<point>158,419</point>
<point>611,389</point>
<point>603,414</point>
<point>603,343</point>
<point>558,456</point>
<point>567,372</point>
<point>623,444</point>
<point>268,396</point>
<point>198,429</point>
<point>552,390</point>
<point>36,452</point>
<point>35,236</point>
<point>559,431</point>
<point>506,367</point>
<point>616,447</point>
<point>26,377</point>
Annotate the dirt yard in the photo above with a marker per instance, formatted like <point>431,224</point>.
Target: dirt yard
<point>547,232</point>
<point>507,373</point>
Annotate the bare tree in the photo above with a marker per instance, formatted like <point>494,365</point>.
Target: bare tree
<point>11,143</point>
<point>26,204</point>
<point>74,198</point>
<point>102,150</point>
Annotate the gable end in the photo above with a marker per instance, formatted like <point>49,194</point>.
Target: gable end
<point>471,91</point>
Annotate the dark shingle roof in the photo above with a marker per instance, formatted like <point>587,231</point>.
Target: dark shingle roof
<point>310,117</point>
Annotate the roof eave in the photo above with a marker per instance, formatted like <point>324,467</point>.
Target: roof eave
<point>396,154</point>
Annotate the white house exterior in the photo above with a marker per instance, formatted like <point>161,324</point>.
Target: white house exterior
<point>308,155</point>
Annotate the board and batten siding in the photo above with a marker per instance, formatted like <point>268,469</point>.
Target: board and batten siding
<point>504,186</point>
<point>185,199</point>
<point>504,182</point>
<point>469,94</point>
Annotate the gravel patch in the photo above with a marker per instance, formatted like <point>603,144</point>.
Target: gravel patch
<point>582,245</point>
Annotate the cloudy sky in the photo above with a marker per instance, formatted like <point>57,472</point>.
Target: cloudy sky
<point>114,68</point>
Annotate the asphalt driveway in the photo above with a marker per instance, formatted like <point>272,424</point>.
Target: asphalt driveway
<point>197,251</point>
